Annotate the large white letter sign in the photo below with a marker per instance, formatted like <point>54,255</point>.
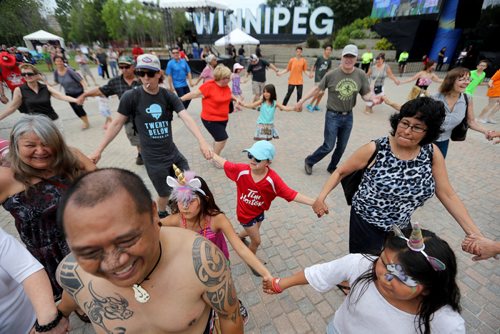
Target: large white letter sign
<point>298,20</point>
<point>280,22</point>
<point>327,24</point>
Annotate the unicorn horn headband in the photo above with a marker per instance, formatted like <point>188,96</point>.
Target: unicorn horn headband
<point>184,186</point>
<point>416,244</point>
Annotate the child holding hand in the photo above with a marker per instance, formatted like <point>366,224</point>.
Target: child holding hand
<point>267,107</point>
<point>257,186</point>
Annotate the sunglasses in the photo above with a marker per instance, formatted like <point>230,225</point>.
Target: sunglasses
<point>250,156</point>
<point>150,74</point>
<point>28,74</point>
<point>124,67</point>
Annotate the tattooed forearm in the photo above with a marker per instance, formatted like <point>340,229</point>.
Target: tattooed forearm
<point>68,276</point>
<point>103,308</point>
<point>210,266</point>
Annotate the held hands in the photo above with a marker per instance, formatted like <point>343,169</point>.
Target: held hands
<point>320,208</point>
<point>206,150</point>
<point>95,157</point>
<point>482,247</point>
<point>271,285</point>
<point>80,100</point>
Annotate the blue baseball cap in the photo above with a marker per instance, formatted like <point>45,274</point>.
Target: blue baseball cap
<point>262,150</point>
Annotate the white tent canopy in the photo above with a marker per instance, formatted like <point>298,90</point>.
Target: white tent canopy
<point>192,4</point>
<point>236,37</point>
<point>42,36</point>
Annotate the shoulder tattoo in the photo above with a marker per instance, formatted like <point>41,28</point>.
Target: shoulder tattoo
<point>102,308</point>
<point>210,266</point>
<point>68,276</point>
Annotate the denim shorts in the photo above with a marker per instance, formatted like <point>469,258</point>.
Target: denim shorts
<point>258,219</point>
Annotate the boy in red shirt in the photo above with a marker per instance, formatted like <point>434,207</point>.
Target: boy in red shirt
<point>257,186</point>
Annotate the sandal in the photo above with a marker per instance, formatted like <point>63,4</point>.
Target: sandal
<point>83,317</point>
<point>345,289</point>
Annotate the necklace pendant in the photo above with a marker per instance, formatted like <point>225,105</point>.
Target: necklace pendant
<point>140,294</point>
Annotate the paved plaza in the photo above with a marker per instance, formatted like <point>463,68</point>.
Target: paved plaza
<point>292,236</point>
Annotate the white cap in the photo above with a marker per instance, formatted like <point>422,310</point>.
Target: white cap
<point>237,66</point>
<point>254,57</point>
<point>350,49</point>
<point>149,62</point>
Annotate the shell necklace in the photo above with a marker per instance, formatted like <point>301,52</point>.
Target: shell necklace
<point>140,294</point>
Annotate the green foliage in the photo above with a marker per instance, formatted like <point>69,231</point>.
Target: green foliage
<point>340,42</point>
<point>19,18</point>
<point>312,42</point>
<point>345,11</point>
<point>180,22</point>
<point>384,44</point>
<point>357,34</point>
<point>361,46</point>
<point>284,3</point>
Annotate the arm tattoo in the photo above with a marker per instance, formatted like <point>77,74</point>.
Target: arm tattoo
<point>68,276</point>
<point>210,266</point>
<point>107,308</point>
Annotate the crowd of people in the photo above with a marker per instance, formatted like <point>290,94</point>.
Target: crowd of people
<point>111,253</point>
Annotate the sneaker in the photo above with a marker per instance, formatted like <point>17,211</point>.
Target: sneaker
<point>310,108</point>
<point>317,108</point>
<point>482,121</point>
<point>308,168</point>
<point>163,214</point>
<point>491,121</point>
<point>138,160</point>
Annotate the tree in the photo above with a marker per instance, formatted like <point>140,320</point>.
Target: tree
<point>62,14</point>
<point>86,24</point>
<point>345,12</point>
<point>19,18</point>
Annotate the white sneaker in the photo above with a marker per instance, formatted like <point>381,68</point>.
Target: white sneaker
<point>491,121</point>
<point>480,120</point>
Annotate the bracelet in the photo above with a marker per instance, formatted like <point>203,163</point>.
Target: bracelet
<point>276,285</point>
<point>50,325</point>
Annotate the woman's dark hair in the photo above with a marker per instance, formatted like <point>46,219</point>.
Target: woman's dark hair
<point>449,81</point>
<point>381,56</point>
<point>207,202</point>
<point>425,109</point>
<point>57,57</point>
<point>440,287</point>
<point>271,90</point>
<point>429,64</point>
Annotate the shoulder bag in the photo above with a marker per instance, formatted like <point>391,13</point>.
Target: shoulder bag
<point>350,183</point>
<point>460,131</point>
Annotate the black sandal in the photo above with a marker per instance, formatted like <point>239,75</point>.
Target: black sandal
<point>83,317</point>
<point>345,289</point>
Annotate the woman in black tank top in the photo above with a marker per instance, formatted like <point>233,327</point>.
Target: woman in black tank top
<point>34,95</point>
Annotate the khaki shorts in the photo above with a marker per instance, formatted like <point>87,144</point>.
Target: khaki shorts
<point>129,130</point>
<point>258,87</point>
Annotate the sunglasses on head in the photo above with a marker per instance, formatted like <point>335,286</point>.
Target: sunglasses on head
<point>250,156</point>
<point>150,74</point>
<point>124,67</point>
<point>28,74</point>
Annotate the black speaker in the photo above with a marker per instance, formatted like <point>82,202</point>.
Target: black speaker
<point>468,13</point>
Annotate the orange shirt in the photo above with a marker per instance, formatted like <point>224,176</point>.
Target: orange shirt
<point>296,67</point>
<point>495,90</point>
<point>215,101</point>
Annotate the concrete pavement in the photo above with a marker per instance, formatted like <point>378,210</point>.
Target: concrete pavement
<point>292,236</point>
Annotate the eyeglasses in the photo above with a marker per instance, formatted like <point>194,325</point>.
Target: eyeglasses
<point>175,52</point>
<point>250,156</point>
<point>28,74</point>
<point>150,74</point>
<point>415,128</point>
<point>124,67</point>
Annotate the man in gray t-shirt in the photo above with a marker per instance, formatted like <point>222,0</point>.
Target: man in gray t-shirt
<point>151,109</point>
<point>343,84</point>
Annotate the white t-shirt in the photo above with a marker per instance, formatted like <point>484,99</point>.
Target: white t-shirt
<point>16,264</point>
<point>372,313</point>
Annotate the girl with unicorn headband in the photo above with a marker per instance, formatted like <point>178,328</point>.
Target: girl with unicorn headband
<point>409,288</point>
<point>193,207</point>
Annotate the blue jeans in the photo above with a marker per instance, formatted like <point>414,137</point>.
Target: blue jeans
<point>114,68</point>
<point>183,91</point>
<point>337,131</point>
